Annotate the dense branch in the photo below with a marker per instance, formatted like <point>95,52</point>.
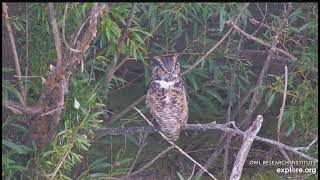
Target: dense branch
<point>257,94</point>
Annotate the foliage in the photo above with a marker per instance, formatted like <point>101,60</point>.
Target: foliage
<point>158,28</point>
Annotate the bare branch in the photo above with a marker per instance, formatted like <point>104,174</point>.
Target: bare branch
<point>142,144</point>
<point>63,31</point>
<point>128,25</point>
<point>283,101</point>
<point>125,111</point>
<point>259,40</point>
<point>248,139</point>
<point>55,32</point>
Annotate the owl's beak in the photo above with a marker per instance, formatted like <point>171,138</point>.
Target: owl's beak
<point>169,78</point>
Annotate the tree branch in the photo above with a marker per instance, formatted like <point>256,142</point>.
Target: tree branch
<point>63,31</point>
<point>283,101</point>
<point>55,32</point>
<point>121,41</point>
<point>14,51</point>
<point>248,139</point>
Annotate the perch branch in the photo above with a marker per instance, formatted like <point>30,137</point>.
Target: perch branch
<point>55,32</point>
<point>248,139</point>
<point>201,127</point>
<point>14,50</point>
<point>176,146</point>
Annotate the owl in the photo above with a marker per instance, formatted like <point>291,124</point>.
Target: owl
<point>166,96</point>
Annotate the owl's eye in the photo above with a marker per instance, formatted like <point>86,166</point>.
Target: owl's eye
<point>160,72</point>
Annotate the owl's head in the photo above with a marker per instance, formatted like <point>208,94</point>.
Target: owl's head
<point>166,68</point>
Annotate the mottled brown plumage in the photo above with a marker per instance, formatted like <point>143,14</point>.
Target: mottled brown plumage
<point>166,96</point>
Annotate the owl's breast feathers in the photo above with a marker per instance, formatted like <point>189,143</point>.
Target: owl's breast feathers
<point>168,105</point>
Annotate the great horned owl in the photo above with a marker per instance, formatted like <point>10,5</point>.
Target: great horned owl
<point>166,96</point>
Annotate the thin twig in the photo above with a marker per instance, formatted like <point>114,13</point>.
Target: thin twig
<point>52,111</point>
<point>142,145</point>
<point>217,44</point>
<point>213,157</point>
<point>194,167</point>
<point>283,101</point>
<point>55,33</point>
<point>259,40</point>
<point>264,16</point>
<point>125,111</point>
<point>176,146</point>
<point>27,56</point>
<point>152,161</point>
<point>63,31</point>
<point>123,37</point>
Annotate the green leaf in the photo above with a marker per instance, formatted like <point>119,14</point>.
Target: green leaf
<point>222,18</point>
<point>270,100</point>
<point>20,149</point>
<point>132,139</point>
<point>76,104</point>
<point>216,95</point>
<point>180,176</point>
<point>303,27</point>
<point>13,90</point>
<point>6,70</point>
